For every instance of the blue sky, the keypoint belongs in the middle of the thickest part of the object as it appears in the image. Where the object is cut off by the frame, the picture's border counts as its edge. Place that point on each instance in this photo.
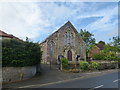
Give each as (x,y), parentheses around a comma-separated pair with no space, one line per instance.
(37,20)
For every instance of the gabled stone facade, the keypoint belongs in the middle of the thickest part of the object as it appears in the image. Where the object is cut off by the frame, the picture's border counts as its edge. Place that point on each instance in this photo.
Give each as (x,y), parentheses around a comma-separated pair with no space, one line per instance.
(64,42)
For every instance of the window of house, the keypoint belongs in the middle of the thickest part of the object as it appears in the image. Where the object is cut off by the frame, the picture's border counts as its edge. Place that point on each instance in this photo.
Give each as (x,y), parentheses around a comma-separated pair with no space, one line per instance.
(81,49)
(69,37)
(65,39)
(51,47)
(71,40)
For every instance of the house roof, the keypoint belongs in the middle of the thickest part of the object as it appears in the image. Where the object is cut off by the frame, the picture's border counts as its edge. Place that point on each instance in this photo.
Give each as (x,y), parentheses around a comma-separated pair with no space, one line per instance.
(3,34)
(100,46)
(62,27)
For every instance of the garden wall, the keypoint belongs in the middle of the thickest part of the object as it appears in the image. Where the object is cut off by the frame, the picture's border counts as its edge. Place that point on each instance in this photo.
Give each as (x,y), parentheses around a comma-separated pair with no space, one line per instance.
(104,64)
(107,64)
(11,74)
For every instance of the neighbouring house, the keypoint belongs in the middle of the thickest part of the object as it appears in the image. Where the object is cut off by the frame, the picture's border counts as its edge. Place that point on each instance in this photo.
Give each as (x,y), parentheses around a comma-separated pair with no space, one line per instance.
(118,54)
(65,42)
(95,49)
(4,35)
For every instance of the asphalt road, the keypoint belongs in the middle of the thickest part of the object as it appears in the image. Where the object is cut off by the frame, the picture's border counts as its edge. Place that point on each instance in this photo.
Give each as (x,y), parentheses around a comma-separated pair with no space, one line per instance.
(104,81)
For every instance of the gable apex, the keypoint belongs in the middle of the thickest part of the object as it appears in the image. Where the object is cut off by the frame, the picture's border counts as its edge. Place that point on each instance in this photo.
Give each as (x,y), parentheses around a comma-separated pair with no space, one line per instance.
(69,24)
(64,26)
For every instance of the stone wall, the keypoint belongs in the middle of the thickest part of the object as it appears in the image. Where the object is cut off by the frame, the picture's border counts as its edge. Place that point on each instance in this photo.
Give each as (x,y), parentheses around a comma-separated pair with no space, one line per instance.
(12,74)
(60,42)
(104,65)
(107,64)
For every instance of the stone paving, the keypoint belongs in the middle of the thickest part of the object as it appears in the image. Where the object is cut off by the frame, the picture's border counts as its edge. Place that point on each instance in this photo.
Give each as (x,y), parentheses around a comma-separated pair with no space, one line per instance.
(54,75)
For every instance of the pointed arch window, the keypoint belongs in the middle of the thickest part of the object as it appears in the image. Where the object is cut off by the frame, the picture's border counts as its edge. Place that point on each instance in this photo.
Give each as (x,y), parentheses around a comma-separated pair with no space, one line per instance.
(81,49)
(51,47)
(69,37)
(65,39)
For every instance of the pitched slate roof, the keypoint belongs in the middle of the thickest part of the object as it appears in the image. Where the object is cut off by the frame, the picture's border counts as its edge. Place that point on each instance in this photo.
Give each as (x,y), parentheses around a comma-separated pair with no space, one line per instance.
(62,28)
(3,34)
(100,46)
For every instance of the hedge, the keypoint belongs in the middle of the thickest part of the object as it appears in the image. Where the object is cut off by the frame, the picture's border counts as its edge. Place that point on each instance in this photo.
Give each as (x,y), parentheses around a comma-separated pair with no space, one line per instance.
(94,65)
(84,65)
(18,53)
(105,56)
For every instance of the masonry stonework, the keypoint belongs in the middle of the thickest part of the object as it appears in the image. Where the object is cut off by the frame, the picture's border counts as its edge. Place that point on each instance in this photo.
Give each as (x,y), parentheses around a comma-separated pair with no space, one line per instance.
(13,74)
(64,42)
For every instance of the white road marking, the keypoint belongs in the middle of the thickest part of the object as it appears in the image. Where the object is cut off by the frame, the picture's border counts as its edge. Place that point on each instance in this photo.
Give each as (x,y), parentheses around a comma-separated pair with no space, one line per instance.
(39,85)
(53,82)
(116,80)
(98,86)
(48,83)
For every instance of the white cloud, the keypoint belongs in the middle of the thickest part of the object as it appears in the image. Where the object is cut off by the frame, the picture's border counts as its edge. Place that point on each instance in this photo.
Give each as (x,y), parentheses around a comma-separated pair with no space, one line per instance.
(104,23)
(32,19)
(106,26)
(22,19)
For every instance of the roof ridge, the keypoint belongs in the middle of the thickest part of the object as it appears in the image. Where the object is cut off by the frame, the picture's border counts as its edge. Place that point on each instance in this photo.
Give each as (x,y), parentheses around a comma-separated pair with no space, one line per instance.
(4,34)
(67,23)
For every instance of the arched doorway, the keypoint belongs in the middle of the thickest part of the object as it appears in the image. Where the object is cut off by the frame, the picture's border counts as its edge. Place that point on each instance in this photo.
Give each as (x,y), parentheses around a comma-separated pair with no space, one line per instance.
(69,55)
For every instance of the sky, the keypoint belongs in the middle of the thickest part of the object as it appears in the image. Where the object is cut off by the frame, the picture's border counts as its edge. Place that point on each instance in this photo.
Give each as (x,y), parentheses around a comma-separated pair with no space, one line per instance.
(37,20)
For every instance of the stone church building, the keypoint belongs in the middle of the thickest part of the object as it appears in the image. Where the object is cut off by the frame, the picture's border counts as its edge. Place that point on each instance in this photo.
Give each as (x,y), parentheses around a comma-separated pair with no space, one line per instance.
(64,42)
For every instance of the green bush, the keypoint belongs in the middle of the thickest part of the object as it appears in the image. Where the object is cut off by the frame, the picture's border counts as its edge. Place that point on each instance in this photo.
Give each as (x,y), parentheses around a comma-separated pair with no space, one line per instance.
(19,53)
(111,56)
(99,56)
(105,56)
(84,65)
(64,62)
(94,65)
(17,63)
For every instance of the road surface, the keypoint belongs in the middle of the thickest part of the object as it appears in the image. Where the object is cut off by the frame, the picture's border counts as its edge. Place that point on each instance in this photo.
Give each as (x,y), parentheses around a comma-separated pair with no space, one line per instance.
(105,81)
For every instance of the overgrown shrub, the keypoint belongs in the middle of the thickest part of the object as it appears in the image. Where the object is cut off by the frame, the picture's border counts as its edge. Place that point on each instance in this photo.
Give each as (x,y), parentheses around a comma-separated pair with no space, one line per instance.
(111,56)
(98,56)
(64,62)
(84,65)
(19,53)
(105,56)
(94,65)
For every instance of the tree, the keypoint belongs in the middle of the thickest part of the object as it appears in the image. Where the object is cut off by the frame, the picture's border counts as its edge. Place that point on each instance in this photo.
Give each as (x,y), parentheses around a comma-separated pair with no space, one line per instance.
(115,41)
(108,48)
(88,38)
(101,42)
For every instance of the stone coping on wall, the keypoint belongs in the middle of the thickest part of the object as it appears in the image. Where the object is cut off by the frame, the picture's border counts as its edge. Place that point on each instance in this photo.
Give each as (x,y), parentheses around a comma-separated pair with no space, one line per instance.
(13,74)
(105,61)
